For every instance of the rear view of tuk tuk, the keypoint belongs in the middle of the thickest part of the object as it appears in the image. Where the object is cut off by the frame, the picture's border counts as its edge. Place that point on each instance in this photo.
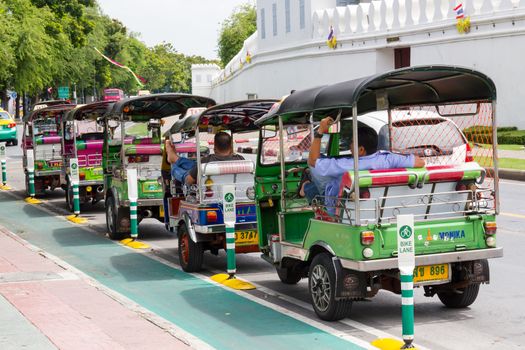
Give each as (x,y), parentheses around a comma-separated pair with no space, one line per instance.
(83,138)
(196,211)
(41,144)
(346,244)
(132,140)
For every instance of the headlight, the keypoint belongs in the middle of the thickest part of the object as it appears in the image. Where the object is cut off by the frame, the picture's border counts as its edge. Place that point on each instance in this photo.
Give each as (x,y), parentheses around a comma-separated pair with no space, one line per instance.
(250,193)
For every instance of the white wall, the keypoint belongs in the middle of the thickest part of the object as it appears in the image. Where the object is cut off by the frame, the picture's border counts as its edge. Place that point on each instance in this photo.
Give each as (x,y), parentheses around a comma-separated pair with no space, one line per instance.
(368,34)
(202,76)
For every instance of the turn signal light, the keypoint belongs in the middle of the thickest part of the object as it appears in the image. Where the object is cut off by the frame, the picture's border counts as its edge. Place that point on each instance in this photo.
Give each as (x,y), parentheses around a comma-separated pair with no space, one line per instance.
(11,125)
(490,227)
(367,237)
(211,216)
(205,121)
(226,120)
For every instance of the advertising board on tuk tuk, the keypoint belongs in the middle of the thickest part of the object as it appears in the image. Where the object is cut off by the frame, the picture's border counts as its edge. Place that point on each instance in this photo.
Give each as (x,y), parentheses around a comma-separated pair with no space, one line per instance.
(132,140)
(344,237)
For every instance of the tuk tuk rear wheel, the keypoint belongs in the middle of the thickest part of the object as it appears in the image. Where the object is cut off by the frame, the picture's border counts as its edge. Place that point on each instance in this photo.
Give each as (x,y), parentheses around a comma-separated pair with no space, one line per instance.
(461,298)
(191,254)
(289,275)
(69,197)
(113,217)
(321,284)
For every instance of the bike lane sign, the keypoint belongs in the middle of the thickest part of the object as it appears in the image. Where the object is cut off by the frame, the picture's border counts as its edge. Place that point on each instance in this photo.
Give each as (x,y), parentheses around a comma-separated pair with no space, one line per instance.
(405,244)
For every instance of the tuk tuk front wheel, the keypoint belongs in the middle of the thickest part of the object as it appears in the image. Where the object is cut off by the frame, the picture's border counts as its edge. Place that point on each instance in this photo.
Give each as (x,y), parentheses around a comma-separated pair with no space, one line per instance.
(460,298)
(191,254)
(114,216)
(321,284)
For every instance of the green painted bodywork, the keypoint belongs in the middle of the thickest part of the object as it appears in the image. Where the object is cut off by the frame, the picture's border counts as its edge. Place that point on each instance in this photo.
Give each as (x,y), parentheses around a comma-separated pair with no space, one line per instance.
(92,173)
(148,189)
(43,165)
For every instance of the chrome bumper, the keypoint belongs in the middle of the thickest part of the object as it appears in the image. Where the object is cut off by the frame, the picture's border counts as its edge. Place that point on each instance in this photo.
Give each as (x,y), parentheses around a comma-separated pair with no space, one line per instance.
(47,172)
(430,259)
(146,202)
(211,229)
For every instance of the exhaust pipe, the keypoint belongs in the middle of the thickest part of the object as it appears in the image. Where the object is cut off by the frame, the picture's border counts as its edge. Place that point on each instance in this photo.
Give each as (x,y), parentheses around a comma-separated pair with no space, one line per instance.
(100,189)
(148,213)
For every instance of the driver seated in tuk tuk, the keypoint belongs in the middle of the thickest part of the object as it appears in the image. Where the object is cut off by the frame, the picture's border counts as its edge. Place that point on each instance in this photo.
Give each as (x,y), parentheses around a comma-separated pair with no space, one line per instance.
(327,172)
(185,170)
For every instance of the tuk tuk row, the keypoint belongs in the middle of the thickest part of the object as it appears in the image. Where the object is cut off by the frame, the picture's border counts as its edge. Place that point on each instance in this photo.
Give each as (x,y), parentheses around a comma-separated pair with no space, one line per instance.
(342,238)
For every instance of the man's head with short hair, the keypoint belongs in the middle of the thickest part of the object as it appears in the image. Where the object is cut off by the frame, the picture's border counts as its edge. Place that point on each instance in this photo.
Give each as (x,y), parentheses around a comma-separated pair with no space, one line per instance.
(367,139)
(223,143)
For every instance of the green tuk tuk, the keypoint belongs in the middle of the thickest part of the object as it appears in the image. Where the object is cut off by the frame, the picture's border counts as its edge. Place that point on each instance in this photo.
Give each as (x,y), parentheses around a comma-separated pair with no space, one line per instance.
(132,140)
(346,243)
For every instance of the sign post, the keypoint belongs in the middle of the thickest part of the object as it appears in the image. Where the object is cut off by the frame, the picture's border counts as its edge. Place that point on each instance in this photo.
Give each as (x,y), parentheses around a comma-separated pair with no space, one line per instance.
(133,197)
(75,180)
(230,217)
(4,167)
(63,92)
(407,263)
(31,173)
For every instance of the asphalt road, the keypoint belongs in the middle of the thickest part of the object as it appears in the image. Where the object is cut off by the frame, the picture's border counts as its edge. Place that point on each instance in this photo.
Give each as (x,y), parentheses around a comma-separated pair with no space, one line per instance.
(494,320)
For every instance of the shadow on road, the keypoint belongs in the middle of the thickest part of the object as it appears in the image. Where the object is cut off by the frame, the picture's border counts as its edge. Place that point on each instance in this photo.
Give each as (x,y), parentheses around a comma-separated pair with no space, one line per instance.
(136,267)
(77,237)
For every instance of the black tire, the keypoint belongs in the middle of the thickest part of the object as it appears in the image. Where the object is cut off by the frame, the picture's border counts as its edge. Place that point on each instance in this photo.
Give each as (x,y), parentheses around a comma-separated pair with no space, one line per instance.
(191,254)
(69,197)
(27,184)
(14,143)
(113,217)
(321,285)
(289,275)
(461,298)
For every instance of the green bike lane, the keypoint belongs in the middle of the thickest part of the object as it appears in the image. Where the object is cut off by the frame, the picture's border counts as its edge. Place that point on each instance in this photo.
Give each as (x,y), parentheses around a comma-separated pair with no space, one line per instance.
(219,317)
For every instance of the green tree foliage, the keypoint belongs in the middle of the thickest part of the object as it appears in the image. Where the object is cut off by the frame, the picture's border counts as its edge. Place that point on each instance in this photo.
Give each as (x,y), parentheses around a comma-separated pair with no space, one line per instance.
(234,30)
(50,43)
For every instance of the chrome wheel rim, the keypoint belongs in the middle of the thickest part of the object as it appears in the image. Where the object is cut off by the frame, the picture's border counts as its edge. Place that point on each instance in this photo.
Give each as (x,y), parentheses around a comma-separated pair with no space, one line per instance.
(320,287)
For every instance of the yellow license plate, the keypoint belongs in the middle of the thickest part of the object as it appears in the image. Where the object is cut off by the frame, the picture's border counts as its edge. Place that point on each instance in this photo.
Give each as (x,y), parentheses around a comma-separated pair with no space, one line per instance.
(431,273)
(246,238)
(161,211)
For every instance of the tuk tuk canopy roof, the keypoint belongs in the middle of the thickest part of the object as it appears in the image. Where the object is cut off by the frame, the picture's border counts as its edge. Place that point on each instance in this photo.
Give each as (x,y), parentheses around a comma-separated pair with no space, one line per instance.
(46,112)
(421,85)
(158,105)
(90,111)
(241,116)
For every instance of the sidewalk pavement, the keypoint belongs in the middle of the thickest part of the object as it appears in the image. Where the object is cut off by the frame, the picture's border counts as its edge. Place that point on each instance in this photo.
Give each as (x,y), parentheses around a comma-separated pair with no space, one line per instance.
(45,306)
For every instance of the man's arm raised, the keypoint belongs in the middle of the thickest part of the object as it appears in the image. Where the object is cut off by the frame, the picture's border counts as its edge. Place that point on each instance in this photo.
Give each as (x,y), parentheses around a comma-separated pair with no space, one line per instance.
(315,148)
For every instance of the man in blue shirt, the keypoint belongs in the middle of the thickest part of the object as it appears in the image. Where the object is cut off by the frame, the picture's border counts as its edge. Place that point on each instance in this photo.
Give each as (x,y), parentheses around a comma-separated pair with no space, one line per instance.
(327,172)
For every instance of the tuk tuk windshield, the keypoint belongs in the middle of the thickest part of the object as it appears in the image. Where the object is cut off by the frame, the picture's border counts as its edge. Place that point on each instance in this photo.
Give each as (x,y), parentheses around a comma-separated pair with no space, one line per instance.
(297,141)
(137,132)
(46,127)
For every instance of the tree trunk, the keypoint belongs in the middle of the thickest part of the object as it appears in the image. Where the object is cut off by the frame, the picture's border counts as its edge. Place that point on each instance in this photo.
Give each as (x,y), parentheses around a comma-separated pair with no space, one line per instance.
(4,99)
(17,107)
